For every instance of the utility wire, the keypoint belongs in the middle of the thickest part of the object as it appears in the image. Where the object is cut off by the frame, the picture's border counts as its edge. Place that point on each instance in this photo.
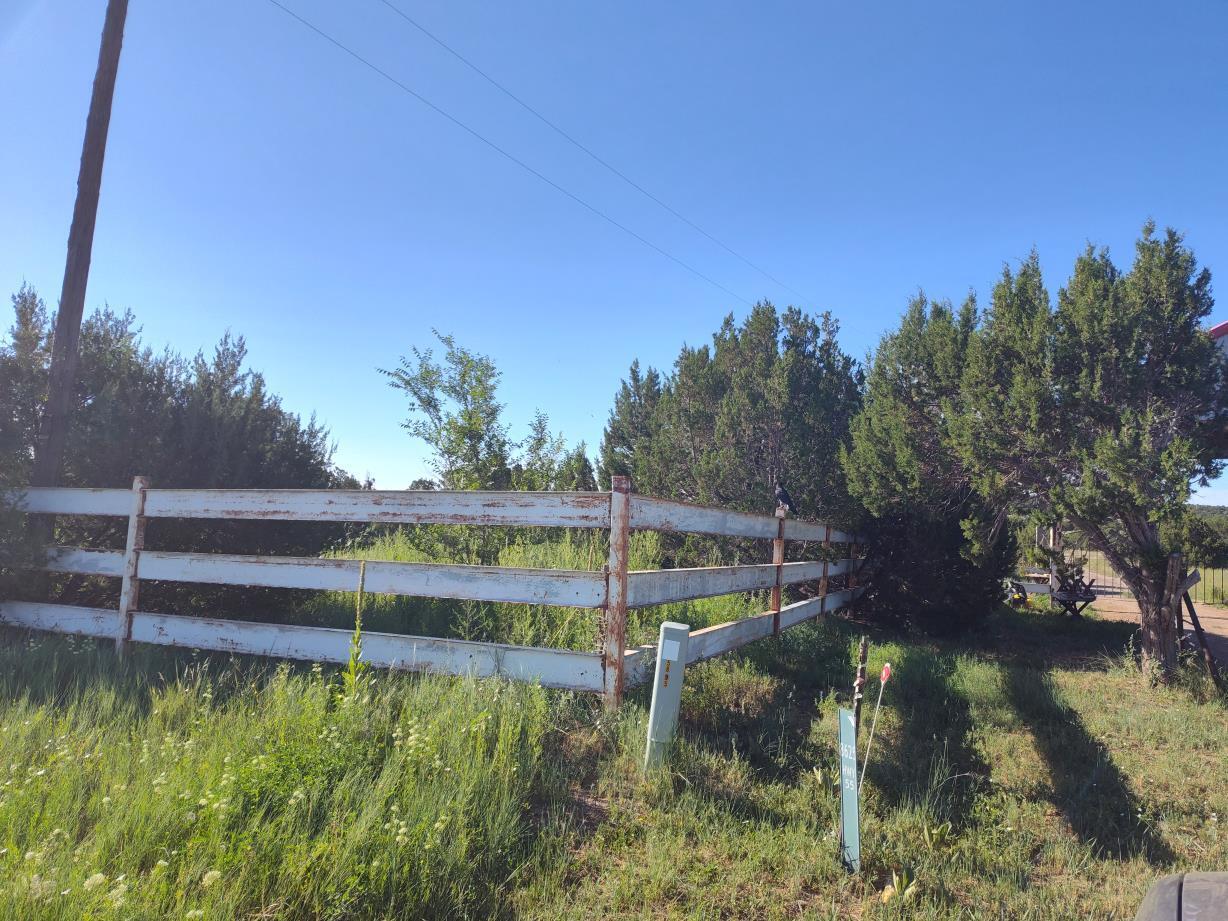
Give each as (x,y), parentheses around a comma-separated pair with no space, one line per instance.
(575,143)
(510,156)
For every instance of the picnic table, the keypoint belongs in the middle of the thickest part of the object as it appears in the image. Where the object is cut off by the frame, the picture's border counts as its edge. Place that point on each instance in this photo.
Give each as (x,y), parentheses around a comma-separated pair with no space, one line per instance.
(1073,594)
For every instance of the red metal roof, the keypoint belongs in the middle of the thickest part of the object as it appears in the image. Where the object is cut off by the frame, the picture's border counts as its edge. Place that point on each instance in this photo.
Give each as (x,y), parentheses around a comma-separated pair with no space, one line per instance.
(1219,330)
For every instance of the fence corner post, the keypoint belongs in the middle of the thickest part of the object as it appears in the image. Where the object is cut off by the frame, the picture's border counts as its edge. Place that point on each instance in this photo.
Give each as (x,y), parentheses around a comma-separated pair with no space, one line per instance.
(778,560)
(616,590)
(130,587)
(666,691)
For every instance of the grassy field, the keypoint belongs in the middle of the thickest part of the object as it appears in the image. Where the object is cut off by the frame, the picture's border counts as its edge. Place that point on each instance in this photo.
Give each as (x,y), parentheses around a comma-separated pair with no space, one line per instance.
(1024,773)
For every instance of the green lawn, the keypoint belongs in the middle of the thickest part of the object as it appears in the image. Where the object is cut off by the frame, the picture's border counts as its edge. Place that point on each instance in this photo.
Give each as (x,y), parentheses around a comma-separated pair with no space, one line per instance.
(186,786)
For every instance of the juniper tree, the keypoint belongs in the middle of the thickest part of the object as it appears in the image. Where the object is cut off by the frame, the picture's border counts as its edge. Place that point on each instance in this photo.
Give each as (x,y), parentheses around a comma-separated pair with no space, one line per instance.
(902,466)
(630,425)
(769,400)
(1102,410)
(204,422)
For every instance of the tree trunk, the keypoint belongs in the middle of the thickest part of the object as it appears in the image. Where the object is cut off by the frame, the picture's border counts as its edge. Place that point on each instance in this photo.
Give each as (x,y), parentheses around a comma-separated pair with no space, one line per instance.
(1157,605)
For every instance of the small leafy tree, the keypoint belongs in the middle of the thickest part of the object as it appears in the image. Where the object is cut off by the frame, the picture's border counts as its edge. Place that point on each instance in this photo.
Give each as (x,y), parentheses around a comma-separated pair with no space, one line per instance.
(1102,411)
(455,410)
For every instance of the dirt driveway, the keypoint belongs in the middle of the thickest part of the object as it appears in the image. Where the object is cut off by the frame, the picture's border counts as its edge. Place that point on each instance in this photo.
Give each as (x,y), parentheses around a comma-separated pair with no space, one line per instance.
(1214,621)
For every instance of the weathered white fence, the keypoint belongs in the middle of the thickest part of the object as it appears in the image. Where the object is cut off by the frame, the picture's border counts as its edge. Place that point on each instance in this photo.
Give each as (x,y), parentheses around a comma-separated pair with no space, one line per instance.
(612,590)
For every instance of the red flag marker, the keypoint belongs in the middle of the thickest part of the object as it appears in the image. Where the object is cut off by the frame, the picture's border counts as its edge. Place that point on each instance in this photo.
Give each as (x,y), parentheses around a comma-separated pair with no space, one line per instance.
(874,722)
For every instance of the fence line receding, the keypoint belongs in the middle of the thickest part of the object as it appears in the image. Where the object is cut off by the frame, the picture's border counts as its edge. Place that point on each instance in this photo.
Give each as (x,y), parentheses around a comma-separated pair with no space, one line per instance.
(612,590)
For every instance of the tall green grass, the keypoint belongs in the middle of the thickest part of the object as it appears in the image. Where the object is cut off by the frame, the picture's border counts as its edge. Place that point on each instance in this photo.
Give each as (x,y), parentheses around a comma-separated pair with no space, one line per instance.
(173,788)
(1022,771)
(518,624)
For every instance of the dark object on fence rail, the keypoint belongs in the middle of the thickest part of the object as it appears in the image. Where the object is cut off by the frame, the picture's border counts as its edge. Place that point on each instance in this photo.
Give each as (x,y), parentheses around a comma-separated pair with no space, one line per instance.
(1186,897)
(1212,665)
(784,500)
(1073,594)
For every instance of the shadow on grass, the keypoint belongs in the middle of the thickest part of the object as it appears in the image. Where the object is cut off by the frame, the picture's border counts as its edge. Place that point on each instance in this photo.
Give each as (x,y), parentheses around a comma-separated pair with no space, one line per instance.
(1088,788)
(933,759)
(1042,639)
(759,706)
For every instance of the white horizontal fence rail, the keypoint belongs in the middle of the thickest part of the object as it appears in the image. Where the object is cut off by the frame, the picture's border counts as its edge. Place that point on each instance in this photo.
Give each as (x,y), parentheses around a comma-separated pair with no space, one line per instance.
(425,506)
(709,642)
(555,668)
(612,591)
(563,588)
(649,514)
(660,586)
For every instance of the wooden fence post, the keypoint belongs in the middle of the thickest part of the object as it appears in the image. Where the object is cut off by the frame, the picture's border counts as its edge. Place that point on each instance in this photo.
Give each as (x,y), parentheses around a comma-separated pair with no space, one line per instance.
(823,580)
(130,587)
(666,691)
(778,560)
(1056,551)
(616,590)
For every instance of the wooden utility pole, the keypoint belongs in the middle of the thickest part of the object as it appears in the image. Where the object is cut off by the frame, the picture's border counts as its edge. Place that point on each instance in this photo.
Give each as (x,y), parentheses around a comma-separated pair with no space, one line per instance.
(53,431)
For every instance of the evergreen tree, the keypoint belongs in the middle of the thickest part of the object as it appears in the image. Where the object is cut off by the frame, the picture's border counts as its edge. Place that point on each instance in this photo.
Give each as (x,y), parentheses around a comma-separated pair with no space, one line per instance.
(631,423)
(901,465)
(769,400)
(541,457)
(1102,411)
(576,472)
(200,423)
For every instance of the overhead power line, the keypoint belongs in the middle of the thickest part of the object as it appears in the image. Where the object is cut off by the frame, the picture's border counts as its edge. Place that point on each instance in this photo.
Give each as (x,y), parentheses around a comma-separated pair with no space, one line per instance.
(502,151)
(553,126)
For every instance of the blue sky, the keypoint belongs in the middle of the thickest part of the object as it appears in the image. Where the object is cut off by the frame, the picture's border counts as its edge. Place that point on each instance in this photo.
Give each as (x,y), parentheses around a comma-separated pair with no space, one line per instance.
(260,180)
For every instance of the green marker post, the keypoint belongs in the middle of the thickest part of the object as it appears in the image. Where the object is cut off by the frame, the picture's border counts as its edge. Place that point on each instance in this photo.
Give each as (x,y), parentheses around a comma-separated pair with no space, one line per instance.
(850,814)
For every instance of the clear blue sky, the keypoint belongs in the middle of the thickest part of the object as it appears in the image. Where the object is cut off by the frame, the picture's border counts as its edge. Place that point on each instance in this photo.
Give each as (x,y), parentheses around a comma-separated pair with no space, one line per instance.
(259,180)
